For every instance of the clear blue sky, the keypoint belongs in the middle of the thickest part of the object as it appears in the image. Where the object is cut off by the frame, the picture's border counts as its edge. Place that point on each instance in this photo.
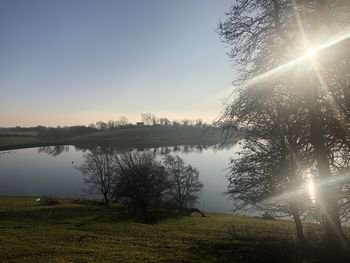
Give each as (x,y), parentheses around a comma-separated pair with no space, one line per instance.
(68,62)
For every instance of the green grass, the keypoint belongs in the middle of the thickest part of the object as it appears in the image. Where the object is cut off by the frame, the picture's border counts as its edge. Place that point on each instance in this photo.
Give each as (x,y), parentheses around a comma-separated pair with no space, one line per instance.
(83,232)
(6,142)
(18,133)
(129,137)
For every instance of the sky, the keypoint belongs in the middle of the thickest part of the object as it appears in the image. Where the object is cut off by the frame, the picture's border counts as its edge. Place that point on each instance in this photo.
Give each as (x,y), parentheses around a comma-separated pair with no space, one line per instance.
(74,62)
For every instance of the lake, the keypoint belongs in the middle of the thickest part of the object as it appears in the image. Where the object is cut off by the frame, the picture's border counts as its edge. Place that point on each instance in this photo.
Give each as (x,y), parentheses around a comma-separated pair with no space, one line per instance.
(52,171)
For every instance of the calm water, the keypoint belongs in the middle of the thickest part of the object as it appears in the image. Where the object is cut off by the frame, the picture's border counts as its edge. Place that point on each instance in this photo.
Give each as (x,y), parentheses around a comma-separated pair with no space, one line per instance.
(51,171)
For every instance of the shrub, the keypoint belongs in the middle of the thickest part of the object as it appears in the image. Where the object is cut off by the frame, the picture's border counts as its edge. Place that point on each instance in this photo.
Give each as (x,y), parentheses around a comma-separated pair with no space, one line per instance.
(142,183)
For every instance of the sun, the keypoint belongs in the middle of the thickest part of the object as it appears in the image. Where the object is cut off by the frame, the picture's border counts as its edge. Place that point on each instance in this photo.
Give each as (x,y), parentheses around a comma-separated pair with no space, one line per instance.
(310,187)
(310,53)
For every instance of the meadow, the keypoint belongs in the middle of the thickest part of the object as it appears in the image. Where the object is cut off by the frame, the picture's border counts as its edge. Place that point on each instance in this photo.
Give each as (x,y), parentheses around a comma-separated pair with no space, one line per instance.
(83,231)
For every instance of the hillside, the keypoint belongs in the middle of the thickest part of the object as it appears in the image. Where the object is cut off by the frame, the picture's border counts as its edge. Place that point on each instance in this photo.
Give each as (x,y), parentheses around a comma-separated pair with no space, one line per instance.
(126,137)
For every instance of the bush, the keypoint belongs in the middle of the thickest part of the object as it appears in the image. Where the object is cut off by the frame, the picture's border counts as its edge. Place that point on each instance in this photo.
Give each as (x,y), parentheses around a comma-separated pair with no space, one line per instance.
(142,184)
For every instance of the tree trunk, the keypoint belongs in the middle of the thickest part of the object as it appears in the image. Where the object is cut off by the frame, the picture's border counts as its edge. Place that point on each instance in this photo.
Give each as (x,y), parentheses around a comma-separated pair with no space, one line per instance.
(327,192)
(294,183)
(328,195)
(105,197)
(298,225)
(328,198)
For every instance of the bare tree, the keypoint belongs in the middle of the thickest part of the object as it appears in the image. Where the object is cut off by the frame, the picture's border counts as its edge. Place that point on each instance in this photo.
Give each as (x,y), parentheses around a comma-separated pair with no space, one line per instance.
(175,123)
(111,124)
(143,182)
(149,119)
(101,125)
(198,123)
(269,173)
(186,122)
(267,34)
(92,125)
(164,121)
(99,170)
(185,182)
(123,121)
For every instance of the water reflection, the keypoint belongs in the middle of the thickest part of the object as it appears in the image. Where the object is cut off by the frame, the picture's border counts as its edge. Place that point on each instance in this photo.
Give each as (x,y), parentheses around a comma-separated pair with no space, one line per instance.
(59,149)
(51,171)
(53,150)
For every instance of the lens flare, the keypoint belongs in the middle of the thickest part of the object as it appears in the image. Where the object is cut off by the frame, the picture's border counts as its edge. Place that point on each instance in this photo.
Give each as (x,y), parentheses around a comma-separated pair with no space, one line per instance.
(310,53)
(294,62)
(310,188)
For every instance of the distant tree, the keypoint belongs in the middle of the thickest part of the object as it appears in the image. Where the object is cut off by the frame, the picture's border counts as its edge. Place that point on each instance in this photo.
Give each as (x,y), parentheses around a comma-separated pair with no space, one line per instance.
(146,118)
(149,119)
(164,121)
(111,124)
(176,123)
(101,125)
(99,170)
(154,119)
(185,183)
(198,123)
(92,126)
(142,182)
(186,122)
(123,121)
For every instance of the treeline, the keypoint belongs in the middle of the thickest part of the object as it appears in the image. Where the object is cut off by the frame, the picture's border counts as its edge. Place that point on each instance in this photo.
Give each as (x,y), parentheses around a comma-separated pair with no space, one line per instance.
(147,188)
(151,119)
(148,119)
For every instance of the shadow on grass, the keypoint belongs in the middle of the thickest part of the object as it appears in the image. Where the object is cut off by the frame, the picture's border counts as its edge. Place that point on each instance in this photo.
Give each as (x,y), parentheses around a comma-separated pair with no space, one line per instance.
(251,252)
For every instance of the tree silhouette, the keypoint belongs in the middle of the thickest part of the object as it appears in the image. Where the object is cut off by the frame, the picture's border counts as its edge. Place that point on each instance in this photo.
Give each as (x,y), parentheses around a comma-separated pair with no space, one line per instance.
(268,175)
(142,182)
(99,170)
(267,34)
(185,183)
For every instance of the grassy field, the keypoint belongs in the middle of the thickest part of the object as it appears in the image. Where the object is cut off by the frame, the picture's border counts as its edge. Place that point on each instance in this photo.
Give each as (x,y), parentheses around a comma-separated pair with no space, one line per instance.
(20,133)
(128,137)
(6,142)
(83,232)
